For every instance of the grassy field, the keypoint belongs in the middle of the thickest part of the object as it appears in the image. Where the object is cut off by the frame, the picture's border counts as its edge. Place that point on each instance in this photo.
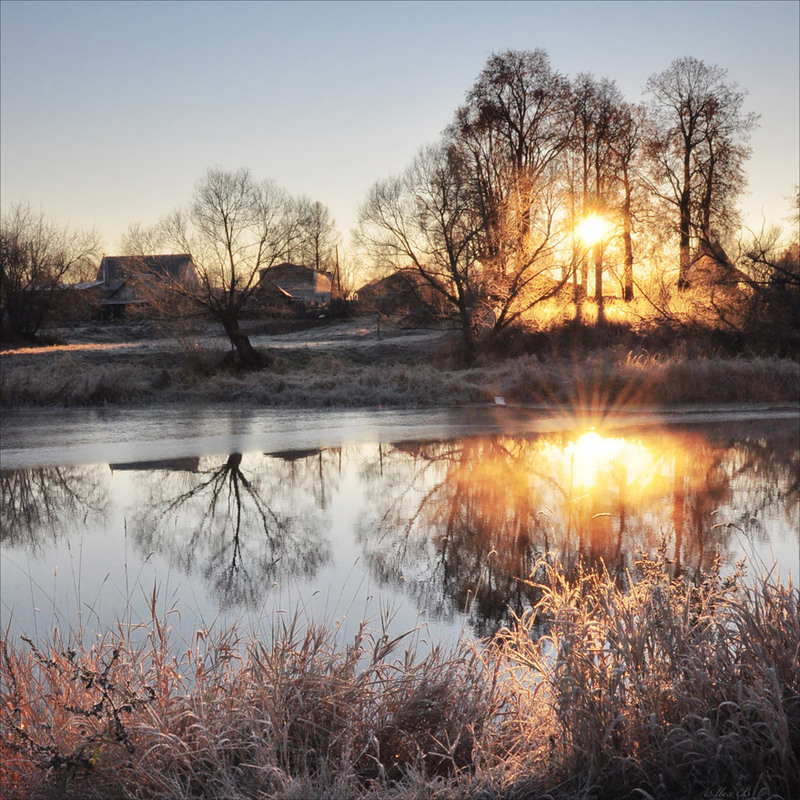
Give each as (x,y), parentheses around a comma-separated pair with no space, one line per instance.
(652,687)
(357,364)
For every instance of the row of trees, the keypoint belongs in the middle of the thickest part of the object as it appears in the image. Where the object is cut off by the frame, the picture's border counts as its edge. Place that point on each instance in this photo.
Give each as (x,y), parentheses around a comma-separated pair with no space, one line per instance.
(540,185)
(235,228)
(37,255)
(539,177)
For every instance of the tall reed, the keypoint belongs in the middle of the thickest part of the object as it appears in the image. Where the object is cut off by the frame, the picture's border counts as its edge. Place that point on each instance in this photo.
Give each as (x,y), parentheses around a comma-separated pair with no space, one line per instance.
(662,687)
(646,686)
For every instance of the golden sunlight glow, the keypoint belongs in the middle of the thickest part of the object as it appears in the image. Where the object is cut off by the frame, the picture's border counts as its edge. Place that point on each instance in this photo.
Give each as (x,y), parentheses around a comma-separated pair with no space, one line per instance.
(595,457)
(592,229)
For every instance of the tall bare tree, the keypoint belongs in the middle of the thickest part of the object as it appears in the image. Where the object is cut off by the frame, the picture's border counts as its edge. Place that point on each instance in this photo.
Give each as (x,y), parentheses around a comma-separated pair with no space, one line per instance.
(626,146)
(318,237)
(476,215)
(36,256)
(596,125)
(511,129)
(426,218)
(235,229)
(698,143)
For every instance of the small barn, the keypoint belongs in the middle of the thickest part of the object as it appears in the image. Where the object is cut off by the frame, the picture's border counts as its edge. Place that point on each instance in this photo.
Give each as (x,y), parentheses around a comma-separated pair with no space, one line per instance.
(711,271)
(142,280)
(715,288)
(294,284)
(404,294)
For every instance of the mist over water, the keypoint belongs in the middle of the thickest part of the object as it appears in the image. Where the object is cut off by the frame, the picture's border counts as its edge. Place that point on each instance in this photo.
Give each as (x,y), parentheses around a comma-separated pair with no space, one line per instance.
(212,517)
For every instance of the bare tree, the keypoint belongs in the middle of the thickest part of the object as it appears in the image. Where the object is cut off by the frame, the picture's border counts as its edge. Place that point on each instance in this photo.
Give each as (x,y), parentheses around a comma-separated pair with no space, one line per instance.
(236,229)
(318,238)
(698,143)
(626,146)
(238,533)
(40,506)
(596,106)
(36,256)
(426,218)
(476,216)
(511,130)
(772,266)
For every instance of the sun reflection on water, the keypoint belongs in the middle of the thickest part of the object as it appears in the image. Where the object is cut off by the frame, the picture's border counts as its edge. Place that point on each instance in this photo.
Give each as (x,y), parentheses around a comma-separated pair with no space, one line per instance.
(454,526)
(595,458)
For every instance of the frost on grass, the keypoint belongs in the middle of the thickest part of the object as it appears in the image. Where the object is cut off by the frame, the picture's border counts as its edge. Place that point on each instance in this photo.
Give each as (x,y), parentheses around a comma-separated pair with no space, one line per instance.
(647,684)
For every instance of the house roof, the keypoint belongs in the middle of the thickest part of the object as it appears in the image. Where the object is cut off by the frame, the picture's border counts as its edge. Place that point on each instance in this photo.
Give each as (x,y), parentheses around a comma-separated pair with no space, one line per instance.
(295,281)
(120,268)
(712,267)
(403,280)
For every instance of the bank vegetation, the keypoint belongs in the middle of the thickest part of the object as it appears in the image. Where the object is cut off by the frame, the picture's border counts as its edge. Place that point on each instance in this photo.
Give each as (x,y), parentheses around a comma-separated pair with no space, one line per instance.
(366,363)
(648,686)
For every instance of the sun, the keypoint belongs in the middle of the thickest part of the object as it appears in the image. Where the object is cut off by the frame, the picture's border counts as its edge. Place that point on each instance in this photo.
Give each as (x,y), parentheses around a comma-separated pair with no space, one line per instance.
(592,229)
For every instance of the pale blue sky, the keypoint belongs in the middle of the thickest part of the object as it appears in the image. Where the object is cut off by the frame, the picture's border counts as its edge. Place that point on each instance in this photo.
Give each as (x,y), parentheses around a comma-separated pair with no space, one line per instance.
(111,111)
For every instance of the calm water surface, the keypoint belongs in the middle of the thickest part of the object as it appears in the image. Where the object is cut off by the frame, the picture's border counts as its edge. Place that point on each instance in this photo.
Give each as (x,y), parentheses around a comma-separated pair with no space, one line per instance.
(434,517)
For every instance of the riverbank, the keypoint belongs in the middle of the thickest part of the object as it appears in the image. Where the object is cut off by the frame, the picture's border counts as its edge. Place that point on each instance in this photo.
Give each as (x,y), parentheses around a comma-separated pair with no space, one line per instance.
(353,365)
(582,697)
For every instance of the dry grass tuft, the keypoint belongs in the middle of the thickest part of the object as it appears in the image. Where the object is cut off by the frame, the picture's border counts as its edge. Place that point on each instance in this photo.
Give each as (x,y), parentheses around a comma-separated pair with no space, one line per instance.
(667,688)
(655,688)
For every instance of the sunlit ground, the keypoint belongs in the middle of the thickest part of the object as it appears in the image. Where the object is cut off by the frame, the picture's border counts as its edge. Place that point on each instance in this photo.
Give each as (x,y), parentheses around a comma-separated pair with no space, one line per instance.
(71,348)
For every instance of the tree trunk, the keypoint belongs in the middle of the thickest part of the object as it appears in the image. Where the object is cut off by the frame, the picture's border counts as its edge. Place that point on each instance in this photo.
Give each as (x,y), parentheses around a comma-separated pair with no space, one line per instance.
(705,204)
(626,239)
(598,283)
(684,205)
(468,334)
(248,356)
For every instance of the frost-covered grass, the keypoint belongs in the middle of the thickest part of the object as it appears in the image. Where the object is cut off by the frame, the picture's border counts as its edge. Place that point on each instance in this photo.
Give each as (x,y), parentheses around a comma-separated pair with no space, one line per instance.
(649,686)
(81,379)
(397,370)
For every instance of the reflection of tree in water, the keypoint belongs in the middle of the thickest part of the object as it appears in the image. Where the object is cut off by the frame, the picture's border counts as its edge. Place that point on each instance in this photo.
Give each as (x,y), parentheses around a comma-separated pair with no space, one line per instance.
(243,527)
(455,524)
(761,465)
(39,506)
(458,523)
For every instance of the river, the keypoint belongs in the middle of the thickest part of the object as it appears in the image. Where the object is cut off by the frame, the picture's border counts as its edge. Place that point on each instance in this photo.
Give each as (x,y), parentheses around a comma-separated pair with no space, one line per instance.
(217,516)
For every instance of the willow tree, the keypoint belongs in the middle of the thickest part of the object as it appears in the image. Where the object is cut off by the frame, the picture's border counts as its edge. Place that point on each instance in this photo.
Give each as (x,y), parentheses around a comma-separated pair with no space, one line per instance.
(698,144)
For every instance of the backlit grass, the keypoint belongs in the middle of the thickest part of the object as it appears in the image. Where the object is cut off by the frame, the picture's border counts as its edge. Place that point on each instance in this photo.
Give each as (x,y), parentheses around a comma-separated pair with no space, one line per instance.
(649,687)
(83,379)
(356,367)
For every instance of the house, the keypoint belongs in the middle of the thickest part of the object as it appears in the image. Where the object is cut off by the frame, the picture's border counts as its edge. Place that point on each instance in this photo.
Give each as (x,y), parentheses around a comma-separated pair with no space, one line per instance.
(405,294)
(715,289)
(293,284)
(711,271)
(141,280)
